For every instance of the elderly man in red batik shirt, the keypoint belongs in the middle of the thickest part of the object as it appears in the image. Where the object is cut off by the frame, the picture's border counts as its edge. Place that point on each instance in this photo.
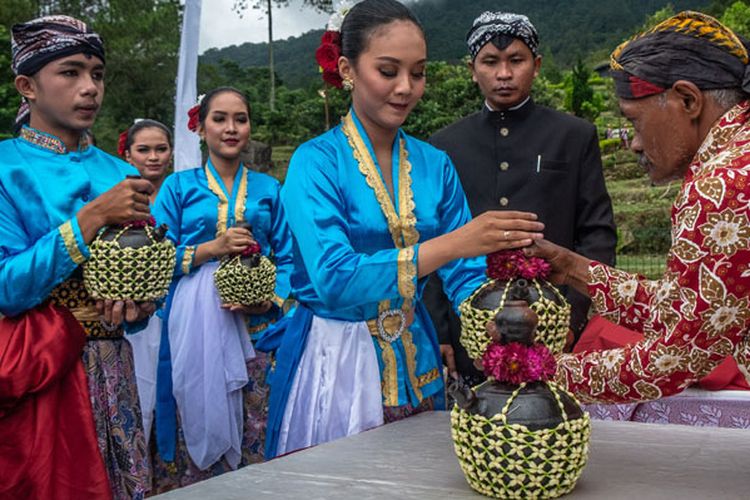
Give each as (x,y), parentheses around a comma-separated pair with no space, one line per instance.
(684,86)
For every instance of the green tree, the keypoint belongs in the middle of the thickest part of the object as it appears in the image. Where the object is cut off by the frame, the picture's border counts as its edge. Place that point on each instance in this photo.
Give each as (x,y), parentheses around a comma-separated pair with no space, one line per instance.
(549,94)
(581,98)
(14,11)
(737,17)
(717,7)
(142,40)
(11,12)
(240,6)
(660,15)
(450,95)
(579,90)
(551,71)
(9,98)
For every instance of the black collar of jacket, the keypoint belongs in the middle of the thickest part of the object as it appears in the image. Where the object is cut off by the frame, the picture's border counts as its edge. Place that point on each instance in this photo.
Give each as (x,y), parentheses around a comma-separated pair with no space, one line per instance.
(508,115)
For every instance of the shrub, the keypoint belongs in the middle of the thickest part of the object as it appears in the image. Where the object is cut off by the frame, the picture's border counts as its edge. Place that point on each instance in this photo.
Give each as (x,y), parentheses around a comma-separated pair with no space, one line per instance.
(609,146)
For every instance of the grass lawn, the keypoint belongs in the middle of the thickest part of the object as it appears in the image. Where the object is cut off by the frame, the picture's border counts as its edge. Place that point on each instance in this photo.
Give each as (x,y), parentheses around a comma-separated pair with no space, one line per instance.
(651,266)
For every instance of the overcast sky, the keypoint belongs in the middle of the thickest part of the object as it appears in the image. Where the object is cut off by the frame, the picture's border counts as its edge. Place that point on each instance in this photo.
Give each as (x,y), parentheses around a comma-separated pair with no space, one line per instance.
(221,27)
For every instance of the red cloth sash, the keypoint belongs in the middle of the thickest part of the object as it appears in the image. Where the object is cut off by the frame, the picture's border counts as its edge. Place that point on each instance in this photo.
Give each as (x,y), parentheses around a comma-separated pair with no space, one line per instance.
(48,446)
(601,334)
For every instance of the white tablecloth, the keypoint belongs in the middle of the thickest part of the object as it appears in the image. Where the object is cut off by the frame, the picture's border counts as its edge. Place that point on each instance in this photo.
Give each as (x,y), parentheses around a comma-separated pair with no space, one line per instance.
(414,458)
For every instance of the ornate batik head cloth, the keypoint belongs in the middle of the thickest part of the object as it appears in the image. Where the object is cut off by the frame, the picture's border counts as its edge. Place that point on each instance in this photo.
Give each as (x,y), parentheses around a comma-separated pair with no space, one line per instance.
(42,40)
(689,46)
(491,24)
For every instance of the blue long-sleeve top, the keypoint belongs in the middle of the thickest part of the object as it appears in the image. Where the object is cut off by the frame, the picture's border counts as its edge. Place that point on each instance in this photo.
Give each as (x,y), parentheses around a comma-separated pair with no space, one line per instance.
(42,188)
(346,261)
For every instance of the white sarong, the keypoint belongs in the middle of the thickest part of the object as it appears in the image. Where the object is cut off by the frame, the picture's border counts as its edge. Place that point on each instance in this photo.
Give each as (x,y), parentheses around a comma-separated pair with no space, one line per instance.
(210,348)
(336,390)
(145,346)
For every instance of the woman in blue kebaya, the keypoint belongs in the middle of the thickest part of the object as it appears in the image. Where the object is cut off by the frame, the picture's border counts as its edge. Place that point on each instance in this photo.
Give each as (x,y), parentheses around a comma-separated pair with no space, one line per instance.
(372,211)
(209,348)
(147,145)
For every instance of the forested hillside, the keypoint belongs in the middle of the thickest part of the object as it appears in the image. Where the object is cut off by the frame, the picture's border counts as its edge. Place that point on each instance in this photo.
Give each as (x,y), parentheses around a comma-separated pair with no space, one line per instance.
(568,29)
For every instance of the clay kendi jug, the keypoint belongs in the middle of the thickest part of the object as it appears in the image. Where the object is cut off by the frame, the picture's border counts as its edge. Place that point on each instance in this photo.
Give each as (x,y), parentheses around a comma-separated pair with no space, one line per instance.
(518,435)
(504,269)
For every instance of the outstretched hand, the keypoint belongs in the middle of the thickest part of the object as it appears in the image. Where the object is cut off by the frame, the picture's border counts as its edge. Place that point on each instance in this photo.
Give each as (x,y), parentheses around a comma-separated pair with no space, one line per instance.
(490,232)
(568,268)
(499,230)
(555,255)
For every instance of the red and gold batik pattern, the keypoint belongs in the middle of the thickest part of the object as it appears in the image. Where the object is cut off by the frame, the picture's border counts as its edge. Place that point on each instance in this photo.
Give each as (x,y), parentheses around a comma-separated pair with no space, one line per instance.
(698,313)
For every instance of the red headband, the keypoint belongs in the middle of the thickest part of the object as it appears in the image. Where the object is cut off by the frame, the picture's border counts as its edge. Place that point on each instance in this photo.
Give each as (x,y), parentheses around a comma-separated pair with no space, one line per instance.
(641,88)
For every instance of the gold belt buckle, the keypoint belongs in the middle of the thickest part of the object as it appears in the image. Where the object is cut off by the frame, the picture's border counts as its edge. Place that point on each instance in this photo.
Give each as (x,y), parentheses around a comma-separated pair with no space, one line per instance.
(386,321)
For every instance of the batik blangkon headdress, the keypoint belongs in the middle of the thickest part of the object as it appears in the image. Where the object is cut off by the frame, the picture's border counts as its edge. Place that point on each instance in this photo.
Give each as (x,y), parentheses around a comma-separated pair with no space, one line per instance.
(689,46)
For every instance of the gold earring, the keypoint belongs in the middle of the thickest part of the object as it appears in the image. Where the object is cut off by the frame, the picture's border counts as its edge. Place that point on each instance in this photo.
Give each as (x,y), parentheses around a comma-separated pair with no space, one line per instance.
(348,84)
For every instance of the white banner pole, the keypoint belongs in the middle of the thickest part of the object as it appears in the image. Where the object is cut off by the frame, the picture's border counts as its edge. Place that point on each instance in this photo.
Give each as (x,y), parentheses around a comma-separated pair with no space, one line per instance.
(187,153)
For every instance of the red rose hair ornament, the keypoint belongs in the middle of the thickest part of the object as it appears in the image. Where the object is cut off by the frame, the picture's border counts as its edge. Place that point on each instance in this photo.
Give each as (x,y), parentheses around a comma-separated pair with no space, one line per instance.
(122,143)
(329,51)
(193,115)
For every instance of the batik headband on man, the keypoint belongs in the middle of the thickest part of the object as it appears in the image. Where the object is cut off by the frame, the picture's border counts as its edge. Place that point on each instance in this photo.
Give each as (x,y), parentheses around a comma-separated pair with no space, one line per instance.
(43,40)
(492,24)
(689,46)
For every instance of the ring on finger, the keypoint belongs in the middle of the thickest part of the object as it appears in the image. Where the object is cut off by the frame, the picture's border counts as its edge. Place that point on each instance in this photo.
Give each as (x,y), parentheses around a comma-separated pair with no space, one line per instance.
(506,235)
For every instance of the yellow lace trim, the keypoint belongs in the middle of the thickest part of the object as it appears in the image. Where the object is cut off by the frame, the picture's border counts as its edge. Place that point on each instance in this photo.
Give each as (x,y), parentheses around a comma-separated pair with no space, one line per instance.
(407,272)
(402,225)
(408,221)
(389,385)
(241,198)
(69,238)
(428,377)
(223,208)
(410,351)
(187,259)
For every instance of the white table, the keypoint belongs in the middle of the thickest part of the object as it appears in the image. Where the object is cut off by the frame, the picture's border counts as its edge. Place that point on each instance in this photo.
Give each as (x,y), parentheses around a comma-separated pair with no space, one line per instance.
(414,458)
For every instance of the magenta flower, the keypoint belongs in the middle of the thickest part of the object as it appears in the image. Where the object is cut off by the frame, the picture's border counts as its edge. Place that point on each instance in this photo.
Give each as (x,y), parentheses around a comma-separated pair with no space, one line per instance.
(534,268)
(516,363)
(541,363)
(506,265)
(506,363)
(503,265)
(251,249)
